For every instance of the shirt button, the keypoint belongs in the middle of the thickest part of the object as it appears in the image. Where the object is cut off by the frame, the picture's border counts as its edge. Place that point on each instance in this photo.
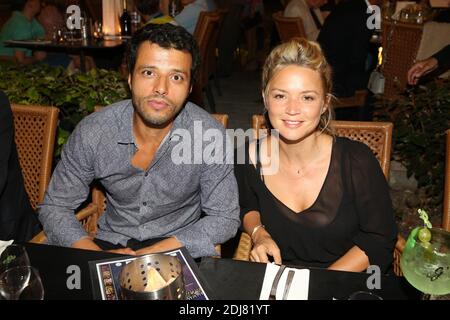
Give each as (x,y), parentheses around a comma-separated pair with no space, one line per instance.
(144,204)
(146,174)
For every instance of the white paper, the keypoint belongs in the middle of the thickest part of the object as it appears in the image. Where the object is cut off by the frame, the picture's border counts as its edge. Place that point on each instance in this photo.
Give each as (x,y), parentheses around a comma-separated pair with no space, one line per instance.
(299,286)
(4,244)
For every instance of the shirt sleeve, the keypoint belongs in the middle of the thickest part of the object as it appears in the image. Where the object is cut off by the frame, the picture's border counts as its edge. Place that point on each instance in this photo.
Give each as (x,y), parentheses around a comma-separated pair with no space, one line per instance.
(377,228)
(443,56)
(188,17)
(68,188)
(220,208)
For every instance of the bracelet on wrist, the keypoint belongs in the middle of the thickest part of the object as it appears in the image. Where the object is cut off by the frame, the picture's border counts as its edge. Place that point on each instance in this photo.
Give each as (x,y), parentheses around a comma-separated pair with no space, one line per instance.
(256,229)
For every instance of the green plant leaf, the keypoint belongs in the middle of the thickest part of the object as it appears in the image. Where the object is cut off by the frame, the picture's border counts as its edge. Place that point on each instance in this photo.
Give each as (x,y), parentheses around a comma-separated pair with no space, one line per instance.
(75,95)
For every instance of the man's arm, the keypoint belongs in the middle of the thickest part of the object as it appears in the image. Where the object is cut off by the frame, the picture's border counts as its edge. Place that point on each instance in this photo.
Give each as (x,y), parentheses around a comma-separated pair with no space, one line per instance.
(168,244)
(88,243)
(443,56)
(68,188)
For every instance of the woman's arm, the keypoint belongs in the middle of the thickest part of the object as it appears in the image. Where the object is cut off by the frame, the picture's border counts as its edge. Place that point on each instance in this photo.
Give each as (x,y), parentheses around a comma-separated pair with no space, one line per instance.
(354,260)
(377,230)
(263,244)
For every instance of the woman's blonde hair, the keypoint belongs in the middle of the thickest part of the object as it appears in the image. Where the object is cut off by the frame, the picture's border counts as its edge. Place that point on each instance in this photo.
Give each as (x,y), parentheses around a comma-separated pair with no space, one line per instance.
(303,53)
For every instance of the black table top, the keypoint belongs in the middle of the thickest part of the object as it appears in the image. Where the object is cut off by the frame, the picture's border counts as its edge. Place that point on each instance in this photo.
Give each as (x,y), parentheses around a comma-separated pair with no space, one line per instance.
(231,279)
(54,265)
(225,278)
(88,44)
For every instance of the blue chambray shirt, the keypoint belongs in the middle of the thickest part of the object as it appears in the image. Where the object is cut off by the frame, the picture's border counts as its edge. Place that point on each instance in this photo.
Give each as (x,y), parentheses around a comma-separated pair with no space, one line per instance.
(167,199)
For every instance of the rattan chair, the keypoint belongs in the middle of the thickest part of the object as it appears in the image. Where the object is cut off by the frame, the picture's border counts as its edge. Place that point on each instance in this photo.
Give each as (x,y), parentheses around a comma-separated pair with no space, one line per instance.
(357,100)
(400,45)
(288,28)
(376,135)
(34,134)
(206,34)
(89,216)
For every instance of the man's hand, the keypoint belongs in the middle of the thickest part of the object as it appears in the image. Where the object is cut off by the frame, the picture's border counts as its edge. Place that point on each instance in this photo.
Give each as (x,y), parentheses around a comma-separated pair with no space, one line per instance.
(88,243)
(163,245)
(127,251)
(421,68)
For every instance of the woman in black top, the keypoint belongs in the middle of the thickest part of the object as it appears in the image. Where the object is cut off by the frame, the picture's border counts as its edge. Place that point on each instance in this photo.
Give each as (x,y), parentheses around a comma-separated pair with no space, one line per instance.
(316,199)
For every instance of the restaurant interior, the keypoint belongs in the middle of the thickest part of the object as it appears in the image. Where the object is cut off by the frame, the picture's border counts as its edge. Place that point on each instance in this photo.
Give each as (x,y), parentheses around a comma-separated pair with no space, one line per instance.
(405,121)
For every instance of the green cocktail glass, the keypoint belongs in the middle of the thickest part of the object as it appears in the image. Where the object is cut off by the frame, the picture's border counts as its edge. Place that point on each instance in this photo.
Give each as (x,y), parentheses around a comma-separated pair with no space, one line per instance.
(426,265)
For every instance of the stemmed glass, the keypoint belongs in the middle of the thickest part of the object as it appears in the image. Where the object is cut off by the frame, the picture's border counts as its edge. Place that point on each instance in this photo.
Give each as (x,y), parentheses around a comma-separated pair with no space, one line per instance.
(426,264)
(21,282)
(14,255)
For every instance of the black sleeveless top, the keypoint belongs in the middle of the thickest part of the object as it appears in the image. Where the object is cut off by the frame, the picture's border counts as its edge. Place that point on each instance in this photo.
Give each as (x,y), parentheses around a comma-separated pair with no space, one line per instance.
(353,208)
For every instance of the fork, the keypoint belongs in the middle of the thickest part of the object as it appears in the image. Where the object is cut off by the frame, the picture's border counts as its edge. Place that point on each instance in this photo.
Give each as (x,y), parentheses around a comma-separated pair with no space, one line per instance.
(287,286)
(275,282)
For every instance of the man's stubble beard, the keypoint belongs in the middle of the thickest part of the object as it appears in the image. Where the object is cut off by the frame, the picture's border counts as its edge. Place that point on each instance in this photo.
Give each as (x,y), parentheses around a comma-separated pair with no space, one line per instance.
(151,120)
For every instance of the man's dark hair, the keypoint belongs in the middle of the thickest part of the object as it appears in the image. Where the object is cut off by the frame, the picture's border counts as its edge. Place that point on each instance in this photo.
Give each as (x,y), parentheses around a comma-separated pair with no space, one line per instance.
(147,7)
(18,5)
(167,36)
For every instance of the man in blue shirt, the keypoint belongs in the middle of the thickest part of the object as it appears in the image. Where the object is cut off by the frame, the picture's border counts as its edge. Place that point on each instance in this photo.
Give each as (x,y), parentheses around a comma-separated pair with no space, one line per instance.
(152,11)
(22,26)
(188,17)
(159,196)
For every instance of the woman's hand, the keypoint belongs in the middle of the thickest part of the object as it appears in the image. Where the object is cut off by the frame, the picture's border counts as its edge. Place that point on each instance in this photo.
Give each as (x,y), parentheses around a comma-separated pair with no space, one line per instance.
(263,247)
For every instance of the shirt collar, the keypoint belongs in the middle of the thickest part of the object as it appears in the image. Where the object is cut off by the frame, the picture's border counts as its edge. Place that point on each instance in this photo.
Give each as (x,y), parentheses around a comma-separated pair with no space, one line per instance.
(125,134)
(368,3)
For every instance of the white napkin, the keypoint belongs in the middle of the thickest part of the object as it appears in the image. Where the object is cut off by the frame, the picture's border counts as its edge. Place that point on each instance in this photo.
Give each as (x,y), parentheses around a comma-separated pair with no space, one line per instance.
(4,244)
(299,286)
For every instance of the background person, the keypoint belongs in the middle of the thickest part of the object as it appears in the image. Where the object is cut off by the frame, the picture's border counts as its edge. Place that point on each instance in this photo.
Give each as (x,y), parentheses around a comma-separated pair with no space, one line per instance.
(151,11)
(310,13)
(22,26)
(188,17)
(440,59)
(52,20)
